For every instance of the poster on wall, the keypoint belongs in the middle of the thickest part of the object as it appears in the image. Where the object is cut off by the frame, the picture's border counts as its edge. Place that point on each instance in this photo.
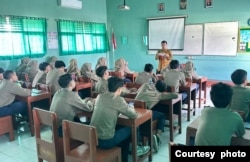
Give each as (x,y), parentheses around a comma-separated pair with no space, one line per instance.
(52,40)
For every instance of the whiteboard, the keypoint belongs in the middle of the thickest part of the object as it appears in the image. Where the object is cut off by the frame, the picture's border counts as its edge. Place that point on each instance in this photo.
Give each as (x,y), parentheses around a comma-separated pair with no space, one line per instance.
(221,38)
(169,29)
(193,40)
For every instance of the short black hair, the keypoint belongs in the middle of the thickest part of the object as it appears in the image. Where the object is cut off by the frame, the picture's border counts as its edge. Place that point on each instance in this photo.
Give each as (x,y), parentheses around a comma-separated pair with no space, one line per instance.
(161,86)
(148,68)
(7,74)
(164,42)
(43,65)
(239,76)
(64,80)
(59,64)
(174,64)
(221,94)
(1,70)
(101,70)
(114,83)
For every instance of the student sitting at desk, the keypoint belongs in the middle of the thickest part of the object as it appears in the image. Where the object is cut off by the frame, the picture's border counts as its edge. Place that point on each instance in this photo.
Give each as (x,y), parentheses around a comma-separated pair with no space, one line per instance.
(73,68)
(146,76)
(108,106)
(189,70)
(53,76)
(9,89)
(241,95)
(122,66)
(32,69)
(152,95)
(67,103)
(20,69)
(101,62)
(102,85)
(218,124)
(40,77)
(87,72)
(1,74)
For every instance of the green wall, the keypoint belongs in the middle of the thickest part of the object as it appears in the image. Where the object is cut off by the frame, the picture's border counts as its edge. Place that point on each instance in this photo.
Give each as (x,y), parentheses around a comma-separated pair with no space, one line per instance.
(92,11)
(133,24)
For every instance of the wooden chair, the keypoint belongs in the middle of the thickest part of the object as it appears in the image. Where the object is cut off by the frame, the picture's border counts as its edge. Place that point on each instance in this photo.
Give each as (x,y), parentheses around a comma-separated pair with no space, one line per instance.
(6,126)
(46,150)
(115,73)
(84,79)
(87,152)
(132,85)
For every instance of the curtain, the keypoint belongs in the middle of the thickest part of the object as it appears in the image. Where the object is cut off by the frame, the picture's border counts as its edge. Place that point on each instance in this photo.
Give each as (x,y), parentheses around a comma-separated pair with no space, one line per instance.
(82,37)
(22,37)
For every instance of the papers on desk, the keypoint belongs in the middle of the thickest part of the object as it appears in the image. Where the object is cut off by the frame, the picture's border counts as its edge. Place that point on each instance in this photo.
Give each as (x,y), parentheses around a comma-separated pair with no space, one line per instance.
(247,125)
(36,91)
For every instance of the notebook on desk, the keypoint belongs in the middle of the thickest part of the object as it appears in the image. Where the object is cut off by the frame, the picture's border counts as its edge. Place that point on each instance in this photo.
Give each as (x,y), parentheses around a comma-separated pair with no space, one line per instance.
(247,125)
(36,91)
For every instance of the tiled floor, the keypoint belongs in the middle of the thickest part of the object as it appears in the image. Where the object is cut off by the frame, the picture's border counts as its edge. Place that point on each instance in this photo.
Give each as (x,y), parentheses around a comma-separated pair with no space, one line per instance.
(23,149)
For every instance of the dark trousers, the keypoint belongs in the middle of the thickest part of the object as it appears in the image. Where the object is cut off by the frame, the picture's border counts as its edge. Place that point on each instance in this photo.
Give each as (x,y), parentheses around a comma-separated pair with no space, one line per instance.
(161,120)
(121,138)
(14,108)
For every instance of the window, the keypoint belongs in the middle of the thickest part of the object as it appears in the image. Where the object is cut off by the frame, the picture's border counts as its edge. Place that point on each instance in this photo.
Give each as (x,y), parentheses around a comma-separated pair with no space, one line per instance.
(82,37)
(22,37)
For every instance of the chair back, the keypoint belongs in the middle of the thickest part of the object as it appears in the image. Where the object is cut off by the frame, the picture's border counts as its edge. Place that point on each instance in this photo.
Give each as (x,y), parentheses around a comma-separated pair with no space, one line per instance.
(115,73)
(84,79)
(80,132)
(51,151)
(137,103)
(132,85)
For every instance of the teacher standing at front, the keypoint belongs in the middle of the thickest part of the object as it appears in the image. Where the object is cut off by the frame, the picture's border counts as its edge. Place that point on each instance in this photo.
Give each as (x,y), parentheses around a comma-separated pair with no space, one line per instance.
(164,56)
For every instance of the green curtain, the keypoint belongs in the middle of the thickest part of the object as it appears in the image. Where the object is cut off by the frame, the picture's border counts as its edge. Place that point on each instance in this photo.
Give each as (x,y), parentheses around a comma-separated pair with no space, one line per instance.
(22,37)
(82,37)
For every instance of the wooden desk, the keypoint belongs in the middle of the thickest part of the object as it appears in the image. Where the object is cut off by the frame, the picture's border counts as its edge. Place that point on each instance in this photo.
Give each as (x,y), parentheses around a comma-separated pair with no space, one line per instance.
(131,76)
(170,104)
(144,116)
(84,85)
(192,129)
(190,89)
(203,87)
(29,100)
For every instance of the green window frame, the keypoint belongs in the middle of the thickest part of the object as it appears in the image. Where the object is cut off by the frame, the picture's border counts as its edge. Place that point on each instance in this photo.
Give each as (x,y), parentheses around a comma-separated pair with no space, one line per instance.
(77,38)
(22,37)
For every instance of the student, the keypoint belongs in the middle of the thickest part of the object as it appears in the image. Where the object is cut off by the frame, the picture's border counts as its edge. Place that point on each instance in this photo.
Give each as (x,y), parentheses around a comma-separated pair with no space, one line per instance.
(101,62)
(108,106)
(67,103)
(241,94)
(189,71)
(102,85)
(164,56)
(32,69)
(73,68)
(52,61)
(1,74)
(21,68)
(87,72)
(40,77)
(218,124)
(146,76)
(122,66)
(152,95)
(9,89)
(174,77)
(53,76)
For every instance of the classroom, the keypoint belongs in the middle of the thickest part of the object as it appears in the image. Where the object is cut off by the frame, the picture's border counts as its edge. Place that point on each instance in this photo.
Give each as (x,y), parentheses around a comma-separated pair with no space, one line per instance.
(81,32)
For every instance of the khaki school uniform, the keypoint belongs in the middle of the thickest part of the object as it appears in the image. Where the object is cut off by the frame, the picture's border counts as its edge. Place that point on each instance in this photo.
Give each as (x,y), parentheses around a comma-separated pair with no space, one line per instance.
(67,103)
(52,80)
(241,99)
(189,71)
(9,90)
(32,69)
(101,86)
(106,111)
(144,77)
(151,96)
(216,127)
(163,61)
(174,78)
(39,78)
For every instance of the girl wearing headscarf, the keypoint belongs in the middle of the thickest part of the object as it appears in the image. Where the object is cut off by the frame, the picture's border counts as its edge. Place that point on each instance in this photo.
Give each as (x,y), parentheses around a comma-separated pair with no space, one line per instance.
(101,62)
(122,66)
(32,69)
(73,68)
(53,59)
(87,72)
(189,71)
(21,68)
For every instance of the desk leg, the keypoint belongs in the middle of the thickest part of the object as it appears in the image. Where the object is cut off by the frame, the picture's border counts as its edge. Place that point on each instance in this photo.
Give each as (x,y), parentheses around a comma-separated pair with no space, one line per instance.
(179,115)
(134,143)
(171,122)
(31,121)
(194,102)
(189,105)
(200,90)
(150,135)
